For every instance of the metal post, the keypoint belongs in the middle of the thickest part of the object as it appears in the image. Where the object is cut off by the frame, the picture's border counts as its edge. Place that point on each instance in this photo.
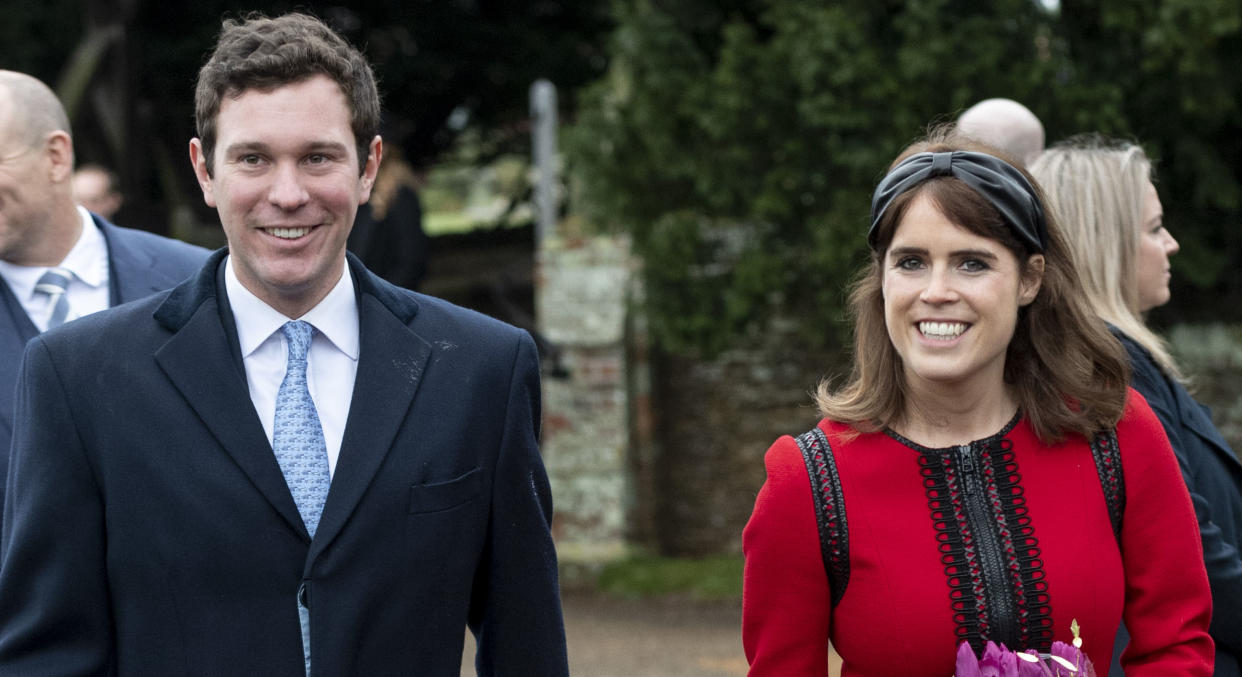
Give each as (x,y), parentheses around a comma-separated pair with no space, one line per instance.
(543,112)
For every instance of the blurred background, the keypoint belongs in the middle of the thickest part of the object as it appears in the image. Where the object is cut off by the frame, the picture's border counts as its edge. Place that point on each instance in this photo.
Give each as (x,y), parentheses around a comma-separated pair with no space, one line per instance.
(705,178)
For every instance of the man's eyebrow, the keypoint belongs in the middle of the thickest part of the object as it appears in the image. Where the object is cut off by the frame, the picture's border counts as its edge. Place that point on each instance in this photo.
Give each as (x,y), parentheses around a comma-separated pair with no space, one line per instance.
(312,147)
(326,145)
(245,147)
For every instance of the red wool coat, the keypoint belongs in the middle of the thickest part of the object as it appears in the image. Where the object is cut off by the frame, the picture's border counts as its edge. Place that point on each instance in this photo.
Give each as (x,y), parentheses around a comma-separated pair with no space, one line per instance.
(1037,552)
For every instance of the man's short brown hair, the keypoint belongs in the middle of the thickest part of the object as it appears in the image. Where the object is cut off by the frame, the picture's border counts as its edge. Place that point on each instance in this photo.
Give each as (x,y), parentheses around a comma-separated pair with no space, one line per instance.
(264,54)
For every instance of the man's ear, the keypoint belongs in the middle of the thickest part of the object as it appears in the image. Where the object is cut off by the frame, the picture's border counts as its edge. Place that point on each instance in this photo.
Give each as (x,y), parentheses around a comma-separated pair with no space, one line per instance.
(59,148)
(1032,279)
(375,153)
(198,160)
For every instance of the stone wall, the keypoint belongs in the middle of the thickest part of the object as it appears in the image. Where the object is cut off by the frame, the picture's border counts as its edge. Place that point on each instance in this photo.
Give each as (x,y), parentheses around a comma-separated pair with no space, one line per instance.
(715,419)
(581,292)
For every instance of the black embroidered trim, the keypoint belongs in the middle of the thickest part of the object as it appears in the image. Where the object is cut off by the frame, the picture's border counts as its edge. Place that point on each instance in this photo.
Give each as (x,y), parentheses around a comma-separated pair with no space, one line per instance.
(991,557)
(1107,454)
(834,537)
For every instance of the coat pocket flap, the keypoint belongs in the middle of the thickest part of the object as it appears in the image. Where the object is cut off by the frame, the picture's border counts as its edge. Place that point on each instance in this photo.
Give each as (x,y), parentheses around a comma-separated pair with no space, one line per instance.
(444,495)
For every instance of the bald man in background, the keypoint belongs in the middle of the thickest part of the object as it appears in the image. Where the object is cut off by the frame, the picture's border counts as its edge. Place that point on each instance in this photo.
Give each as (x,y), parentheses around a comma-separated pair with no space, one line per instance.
(57,260)
(1006,125)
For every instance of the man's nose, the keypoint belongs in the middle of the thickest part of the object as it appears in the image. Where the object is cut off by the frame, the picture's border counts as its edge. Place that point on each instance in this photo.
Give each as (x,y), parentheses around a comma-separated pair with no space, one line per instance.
(287,190)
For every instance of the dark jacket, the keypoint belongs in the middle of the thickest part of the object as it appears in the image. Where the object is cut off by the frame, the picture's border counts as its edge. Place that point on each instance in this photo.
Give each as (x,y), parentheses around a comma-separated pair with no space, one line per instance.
(139,264)
(149,530)
(1214,477)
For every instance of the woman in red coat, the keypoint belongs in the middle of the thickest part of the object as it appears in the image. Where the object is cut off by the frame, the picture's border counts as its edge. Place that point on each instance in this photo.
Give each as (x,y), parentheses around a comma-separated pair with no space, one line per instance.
(985,474)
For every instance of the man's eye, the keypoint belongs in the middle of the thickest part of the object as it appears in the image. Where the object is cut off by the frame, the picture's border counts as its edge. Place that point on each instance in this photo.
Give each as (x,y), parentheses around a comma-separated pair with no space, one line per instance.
(250,159)
(317,159)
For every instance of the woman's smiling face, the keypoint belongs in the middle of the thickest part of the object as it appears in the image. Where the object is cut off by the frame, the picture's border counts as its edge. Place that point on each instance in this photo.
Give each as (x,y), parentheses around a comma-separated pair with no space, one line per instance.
(951,299)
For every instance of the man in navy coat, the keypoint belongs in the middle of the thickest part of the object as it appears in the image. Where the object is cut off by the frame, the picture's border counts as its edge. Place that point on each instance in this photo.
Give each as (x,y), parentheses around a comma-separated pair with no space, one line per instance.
(42,230)
(284,466)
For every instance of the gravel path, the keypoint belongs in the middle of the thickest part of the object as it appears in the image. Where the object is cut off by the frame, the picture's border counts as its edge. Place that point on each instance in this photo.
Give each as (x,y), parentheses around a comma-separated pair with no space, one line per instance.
(648,638)
(611,637)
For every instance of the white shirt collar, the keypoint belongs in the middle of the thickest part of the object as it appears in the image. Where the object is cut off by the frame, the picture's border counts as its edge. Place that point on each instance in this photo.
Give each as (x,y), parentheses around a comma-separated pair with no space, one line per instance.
(87,261)
(336,316)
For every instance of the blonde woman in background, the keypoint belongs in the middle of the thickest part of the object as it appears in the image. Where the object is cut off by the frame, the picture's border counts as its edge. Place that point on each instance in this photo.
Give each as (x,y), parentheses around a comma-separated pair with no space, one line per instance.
(1108,206)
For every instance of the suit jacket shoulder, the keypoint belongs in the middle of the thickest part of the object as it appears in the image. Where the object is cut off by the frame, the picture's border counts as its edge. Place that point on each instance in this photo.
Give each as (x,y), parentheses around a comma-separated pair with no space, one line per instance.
(139,264)
(142,263)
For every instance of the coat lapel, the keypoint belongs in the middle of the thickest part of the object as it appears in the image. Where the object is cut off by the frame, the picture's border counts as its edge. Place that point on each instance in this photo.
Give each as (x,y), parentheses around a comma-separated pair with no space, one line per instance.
(15,330)
(128,266)
(1198,419)
(391,361)
(200,362)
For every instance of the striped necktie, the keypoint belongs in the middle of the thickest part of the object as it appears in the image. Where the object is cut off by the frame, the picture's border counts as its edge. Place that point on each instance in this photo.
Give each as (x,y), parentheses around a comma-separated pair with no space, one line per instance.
(54,283)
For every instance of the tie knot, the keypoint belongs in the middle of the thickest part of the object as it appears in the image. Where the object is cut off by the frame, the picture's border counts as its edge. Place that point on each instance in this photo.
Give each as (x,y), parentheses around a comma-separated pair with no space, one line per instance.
(298,334)
(54,281)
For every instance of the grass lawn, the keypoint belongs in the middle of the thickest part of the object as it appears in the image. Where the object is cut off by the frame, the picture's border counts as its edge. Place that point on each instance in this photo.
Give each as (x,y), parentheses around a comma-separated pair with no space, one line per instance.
(718,577)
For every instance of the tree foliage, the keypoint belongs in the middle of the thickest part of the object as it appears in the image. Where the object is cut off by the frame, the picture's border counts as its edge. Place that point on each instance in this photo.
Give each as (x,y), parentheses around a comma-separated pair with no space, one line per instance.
(739,142)
(443,68)
(1169,72)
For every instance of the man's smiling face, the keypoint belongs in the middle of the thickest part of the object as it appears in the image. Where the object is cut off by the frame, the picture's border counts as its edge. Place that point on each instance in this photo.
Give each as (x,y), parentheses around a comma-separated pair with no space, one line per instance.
(287,186)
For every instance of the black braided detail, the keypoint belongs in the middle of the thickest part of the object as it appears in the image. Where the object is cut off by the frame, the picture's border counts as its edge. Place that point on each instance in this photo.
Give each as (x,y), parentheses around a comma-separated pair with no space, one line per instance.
(1026,567)
(1107,454)
(834,537)
(997,586)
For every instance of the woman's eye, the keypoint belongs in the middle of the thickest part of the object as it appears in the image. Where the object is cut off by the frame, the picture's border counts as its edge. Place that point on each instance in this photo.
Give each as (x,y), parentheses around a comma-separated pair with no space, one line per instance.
(974,265)
(909,263)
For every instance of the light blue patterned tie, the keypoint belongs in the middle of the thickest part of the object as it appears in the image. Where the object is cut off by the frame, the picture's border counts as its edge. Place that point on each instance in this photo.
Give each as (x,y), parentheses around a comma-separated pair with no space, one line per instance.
(297,437)
(54,283)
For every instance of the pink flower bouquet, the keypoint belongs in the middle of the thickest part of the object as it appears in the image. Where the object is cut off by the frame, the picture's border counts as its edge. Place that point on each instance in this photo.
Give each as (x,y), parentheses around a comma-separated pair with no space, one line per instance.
(1065,660)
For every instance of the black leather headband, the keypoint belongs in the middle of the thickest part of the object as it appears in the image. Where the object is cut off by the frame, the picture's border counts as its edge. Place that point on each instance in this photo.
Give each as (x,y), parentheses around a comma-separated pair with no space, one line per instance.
(1003,186)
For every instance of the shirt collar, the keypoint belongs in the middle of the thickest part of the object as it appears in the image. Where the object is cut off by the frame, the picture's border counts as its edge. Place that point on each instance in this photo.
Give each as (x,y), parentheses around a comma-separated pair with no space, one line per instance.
(336,316)
(88,260)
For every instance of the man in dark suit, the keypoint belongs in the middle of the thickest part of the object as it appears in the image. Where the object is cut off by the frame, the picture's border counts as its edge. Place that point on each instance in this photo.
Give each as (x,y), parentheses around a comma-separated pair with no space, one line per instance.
(285,466)
(42,232)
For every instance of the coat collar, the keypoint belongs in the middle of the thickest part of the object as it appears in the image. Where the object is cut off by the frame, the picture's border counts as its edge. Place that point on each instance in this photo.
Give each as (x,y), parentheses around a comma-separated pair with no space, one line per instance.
(186,298)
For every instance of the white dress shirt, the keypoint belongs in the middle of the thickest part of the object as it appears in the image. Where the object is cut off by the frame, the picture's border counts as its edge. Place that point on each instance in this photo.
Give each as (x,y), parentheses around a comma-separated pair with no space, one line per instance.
(332,361)
(87,264)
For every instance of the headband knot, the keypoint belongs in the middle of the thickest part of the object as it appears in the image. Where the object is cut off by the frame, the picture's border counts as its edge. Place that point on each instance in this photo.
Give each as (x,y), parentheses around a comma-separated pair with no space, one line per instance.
(997,181)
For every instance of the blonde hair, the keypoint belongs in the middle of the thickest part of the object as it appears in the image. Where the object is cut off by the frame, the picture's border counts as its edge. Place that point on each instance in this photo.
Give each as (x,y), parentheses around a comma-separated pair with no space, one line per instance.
(1068,372)
(1097,187)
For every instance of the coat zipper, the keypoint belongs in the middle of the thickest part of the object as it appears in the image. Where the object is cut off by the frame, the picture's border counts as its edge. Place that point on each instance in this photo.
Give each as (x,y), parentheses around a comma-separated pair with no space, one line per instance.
(998,587)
